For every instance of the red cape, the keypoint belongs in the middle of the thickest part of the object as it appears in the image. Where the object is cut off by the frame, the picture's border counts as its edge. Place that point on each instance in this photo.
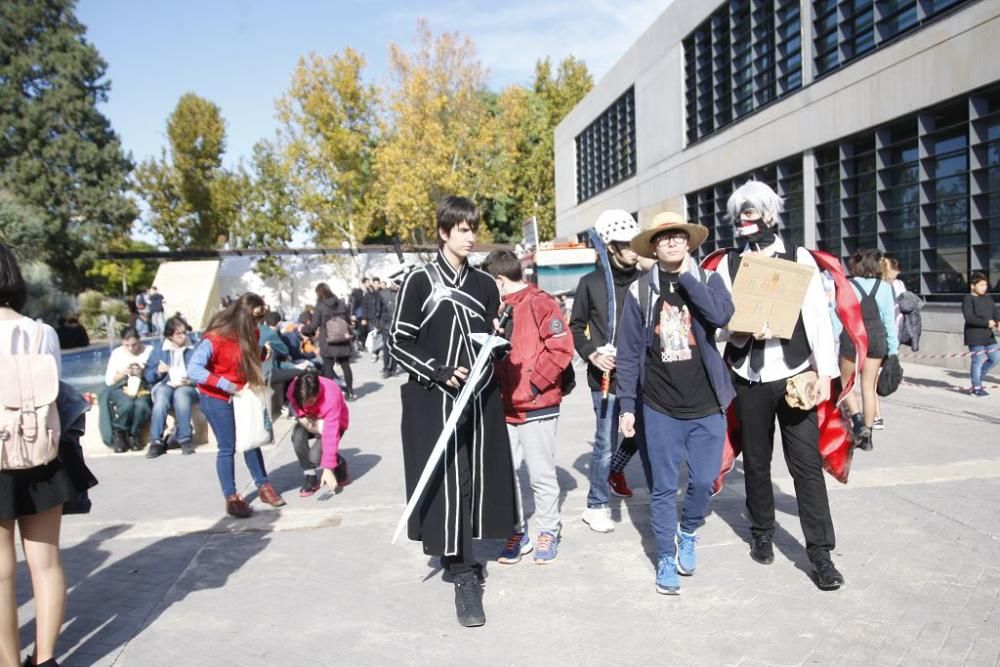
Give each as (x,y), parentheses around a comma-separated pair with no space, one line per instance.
(835,436)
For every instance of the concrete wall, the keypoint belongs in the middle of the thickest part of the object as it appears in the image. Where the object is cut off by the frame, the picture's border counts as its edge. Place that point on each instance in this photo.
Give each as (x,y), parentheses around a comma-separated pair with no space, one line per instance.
(948,57)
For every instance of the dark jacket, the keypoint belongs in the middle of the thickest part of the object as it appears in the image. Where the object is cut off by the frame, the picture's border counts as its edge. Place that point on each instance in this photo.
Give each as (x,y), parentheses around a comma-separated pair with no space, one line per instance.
(326,309)
(590,313)
(910,323)
(711,308)
(357,304)
(387,306)
(978,311)
(371,304)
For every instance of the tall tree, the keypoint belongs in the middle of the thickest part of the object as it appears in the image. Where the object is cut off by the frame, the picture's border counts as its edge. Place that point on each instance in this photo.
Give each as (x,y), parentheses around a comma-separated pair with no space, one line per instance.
(445,137)
(328,137)
(58,153)
(266,214)
(188,192)
(552,97)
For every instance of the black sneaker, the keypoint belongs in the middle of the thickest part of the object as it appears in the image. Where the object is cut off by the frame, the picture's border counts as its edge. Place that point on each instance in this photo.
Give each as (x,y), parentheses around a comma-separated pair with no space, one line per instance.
(156,448)
(309,486)
(187,448)
(762,550)
(120,442)
(828,578)
(469,601)
(134,444)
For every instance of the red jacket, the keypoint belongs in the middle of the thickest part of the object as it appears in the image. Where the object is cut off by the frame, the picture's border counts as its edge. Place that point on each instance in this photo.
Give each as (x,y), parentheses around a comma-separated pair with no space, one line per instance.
(215,366)
(541,347)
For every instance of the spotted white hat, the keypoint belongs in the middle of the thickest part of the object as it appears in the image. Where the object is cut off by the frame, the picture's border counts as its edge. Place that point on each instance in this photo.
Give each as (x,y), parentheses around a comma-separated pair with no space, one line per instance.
(616,225)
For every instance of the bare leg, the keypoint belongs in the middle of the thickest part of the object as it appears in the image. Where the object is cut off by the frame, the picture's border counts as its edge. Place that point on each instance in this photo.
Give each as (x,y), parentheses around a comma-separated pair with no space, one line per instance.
(847,367)
(869,398)
(10,639)
(40,539)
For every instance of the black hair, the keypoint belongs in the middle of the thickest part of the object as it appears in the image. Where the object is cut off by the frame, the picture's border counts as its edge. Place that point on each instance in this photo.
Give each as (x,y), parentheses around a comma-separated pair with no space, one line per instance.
(13,291)
(272,318)
(323,291)
(173,324)
(503,263)
(130,332)
(456,210)
(306,388)
(865,263)
(974,277)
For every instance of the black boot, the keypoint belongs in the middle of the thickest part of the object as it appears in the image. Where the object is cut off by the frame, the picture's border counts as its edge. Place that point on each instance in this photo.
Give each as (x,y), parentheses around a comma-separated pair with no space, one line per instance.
(762,550)
(156,448)
(828,578)
(119,441)
(134,444)
(864,440)
(469,600)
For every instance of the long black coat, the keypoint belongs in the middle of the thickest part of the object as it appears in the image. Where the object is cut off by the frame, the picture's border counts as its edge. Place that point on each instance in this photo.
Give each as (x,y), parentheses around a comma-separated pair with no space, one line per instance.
(326,309)
(427,337)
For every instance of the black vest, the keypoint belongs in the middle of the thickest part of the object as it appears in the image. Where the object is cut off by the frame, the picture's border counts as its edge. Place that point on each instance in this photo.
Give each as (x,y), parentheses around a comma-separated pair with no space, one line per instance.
(796,350)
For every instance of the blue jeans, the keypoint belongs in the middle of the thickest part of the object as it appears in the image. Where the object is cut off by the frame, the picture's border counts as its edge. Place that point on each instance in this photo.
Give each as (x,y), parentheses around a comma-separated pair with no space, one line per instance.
(983,361)
(219,414)
(181,399)
(605,434)
(668,440)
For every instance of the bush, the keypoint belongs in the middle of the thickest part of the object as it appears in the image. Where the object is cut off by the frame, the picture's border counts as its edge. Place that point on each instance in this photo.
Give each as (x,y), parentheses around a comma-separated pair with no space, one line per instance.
(95,308)
(44,300)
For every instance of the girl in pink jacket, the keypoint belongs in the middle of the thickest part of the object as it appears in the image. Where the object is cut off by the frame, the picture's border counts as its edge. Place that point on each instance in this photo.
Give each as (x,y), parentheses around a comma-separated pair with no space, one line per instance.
(321,417)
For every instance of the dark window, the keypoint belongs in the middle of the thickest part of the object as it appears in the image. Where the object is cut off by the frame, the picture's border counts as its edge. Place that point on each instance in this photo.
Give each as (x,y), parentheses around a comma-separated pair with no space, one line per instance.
(605,151)
(828,199)
(742,57)
(844,30)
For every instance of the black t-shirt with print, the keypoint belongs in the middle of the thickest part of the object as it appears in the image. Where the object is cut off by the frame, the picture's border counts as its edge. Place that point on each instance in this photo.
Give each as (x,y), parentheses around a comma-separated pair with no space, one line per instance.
(676,383)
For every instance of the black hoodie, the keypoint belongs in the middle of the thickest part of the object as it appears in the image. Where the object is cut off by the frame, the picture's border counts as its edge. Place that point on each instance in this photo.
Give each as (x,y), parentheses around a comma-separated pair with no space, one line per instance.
(590,309)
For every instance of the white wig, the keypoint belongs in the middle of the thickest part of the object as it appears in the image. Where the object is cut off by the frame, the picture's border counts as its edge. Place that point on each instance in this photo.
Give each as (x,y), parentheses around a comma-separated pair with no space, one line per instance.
(758,196)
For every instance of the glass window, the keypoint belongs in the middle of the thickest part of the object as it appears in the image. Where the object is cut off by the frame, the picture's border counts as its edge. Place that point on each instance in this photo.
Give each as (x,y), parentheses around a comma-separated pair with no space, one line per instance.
(605,151)
(946,165)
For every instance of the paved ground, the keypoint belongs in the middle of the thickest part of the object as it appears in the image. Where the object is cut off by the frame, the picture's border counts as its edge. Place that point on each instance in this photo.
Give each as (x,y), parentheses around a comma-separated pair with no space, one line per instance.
(158,576)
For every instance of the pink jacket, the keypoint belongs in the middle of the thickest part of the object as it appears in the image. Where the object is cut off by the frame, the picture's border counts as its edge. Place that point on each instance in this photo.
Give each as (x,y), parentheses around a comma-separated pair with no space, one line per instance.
(332,409)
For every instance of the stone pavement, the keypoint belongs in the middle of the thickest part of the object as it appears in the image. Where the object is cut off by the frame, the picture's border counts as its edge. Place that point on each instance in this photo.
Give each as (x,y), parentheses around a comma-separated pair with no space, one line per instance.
(158,576)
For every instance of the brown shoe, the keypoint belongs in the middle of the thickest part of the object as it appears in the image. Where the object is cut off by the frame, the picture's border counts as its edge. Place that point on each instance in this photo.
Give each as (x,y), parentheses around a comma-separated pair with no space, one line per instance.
(237,507)
(268,495)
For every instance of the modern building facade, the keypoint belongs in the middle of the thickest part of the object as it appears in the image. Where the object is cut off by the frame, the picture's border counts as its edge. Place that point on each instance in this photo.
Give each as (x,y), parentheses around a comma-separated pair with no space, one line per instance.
(878,120)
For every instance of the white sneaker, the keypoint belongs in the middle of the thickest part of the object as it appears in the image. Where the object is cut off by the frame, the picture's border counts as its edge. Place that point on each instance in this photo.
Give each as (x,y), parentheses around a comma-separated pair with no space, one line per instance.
(599,519)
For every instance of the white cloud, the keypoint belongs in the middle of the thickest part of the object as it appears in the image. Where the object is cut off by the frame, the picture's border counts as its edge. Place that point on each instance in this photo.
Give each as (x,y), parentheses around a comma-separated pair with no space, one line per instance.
(511,37)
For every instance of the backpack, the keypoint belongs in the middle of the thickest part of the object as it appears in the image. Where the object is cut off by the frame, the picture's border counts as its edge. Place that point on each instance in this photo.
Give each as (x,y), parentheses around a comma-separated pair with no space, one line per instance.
(29,421)
(567,380)
(337,330)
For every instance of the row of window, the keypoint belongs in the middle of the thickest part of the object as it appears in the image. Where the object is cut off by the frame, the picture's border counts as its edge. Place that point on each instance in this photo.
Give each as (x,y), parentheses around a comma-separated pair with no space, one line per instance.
(605,151)
(746,54)
(924,188)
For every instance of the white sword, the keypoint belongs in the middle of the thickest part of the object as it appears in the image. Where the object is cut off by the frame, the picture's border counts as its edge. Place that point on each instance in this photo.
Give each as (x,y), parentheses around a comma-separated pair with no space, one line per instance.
(487,343)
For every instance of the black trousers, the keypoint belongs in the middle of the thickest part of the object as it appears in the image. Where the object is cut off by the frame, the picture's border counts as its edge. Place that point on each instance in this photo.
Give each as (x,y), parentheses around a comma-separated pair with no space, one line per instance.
(345,368)
(756,406)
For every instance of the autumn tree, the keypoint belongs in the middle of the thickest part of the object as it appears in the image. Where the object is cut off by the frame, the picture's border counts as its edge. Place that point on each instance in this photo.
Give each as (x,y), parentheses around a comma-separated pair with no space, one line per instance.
(188,192)
(328,137)
(547,103)
(59,157)
(264,207)
(445,135)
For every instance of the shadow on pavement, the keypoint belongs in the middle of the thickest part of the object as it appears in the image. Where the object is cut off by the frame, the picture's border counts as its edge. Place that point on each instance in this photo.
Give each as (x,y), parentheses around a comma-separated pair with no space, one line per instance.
(108,606)
(367,388)
(289,476)
(732,510)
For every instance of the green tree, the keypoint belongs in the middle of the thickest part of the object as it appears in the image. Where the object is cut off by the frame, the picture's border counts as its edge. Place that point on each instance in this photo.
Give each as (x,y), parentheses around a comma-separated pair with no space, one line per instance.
(329,132)
(188,192)
(551,98)
(58,153)
(264,206)
(123,276)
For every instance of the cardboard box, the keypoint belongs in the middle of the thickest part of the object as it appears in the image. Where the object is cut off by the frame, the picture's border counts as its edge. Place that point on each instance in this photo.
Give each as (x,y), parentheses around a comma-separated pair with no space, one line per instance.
(769,290)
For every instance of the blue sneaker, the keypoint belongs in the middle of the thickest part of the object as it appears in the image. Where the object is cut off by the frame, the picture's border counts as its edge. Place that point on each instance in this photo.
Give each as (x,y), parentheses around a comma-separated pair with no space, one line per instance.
(517,545)
(667,581)
(548,547)
(687,561)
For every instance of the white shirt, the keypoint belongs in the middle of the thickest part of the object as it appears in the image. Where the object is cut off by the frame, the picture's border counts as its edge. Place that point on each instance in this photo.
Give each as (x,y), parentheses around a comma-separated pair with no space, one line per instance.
(24,342)
(815,320)
(121,359)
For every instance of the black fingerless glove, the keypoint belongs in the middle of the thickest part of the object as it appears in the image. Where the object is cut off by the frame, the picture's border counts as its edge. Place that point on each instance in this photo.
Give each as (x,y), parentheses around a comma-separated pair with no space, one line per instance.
(443,374)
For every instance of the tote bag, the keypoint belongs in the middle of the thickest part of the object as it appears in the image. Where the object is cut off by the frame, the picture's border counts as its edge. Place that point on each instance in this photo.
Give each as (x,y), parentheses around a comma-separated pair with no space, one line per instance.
(251,410)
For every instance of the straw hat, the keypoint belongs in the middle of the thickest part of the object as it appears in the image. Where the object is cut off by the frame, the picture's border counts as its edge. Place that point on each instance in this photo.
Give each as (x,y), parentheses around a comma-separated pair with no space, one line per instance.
(642,243)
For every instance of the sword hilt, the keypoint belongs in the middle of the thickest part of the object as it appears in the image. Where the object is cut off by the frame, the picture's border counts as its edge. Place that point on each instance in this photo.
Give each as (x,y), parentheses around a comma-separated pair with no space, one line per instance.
(505,314)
